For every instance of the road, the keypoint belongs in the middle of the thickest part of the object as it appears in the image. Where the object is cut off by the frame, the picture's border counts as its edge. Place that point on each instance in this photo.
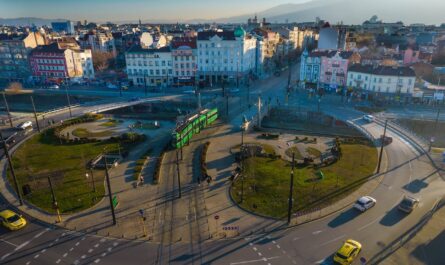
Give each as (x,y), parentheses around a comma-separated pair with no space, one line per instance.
(311,243)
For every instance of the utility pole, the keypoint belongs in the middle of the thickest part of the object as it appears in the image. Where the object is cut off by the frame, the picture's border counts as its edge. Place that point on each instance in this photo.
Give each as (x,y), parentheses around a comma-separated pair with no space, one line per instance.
(435,128)
(291,190)
(242,173)
(11,167)
(227,105)
(35,114)
(179,176)
(110,195)
(68,100)
(93,182)
(7,109)
(242,135)
(259,111)
(381,147)
(55,204)
(145,85)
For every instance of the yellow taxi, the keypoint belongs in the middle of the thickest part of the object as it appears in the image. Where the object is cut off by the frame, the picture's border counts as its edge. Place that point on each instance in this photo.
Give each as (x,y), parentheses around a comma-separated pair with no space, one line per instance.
(348,252)
(11,220)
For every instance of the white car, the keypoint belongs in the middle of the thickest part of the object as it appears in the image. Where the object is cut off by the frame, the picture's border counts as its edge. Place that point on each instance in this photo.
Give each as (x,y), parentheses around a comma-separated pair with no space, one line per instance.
(25,125)
(364,203)
(54,87)
(368,118)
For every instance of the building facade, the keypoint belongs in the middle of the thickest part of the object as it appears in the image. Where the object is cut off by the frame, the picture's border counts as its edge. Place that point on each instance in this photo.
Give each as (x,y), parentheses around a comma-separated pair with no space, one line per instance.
(150,67)
(66,27)
(14,52)
(225,56)
(184,56)
(334,68)
(382,79)
(56,62)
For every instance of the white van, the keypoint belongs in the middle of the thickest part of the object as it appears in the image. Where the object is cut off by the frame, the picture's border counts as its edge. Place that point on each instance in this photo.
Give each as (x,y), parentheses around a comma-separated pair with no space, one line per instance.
(368,118)
(25,125)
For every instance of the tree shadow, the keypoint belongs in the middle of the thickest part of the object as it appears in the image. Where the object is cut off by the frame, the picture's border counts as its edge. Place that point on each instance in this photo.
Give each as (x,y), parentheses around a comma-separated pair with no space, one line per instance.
(432,252)
(393,217)
(344,217)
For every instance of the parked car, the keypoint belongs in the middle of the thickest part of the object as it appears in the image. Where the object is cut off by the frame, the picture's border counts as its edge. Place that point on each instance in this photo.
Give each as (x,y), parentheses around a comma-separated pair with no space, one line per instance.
(364,203)
(54,86)
(368,118)
(25,125)
(408,204)
(12,220)
(111,86)
(348,252)
(386,140)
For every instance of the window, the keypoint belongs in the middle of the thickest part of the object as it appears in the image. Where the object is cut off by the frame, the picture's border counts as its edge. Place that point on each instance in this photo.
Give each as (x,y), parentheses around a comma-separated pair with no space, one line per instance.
(163,63)
(151,72)
(163,71)
(157,72)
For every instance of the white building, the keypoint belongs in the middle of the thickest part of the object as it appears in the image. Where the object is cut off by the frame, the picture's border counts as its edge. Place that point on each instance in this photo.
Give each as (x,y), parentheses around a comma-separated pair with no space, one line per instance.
(102,42)
(382,79)
(150,67)
(86,60)
(225,55)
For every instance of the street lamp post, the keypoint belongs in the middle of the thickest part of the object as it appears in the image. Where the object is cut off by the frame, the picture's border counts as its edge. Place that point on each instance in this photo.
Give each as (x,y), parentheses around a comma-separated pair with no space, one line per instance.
(381,147)
(68,99)
(11,167)
(435,128)
(179,176)
(35,114)
(7,110)
(110,195)
(291,190)
(55,204)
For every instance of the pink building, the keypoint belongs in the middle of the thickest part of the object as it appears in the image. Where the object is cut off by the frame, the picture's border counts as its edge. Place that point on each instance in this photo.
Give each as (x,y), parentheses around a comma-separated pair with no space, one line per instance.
(334,68)
(410,56)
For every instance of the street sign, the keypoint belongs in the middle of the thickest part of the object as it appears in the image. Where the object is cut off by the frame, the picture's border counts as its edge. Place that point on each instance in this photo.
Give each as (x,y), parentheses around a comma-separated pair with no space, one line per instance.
(216,217)
(115,201)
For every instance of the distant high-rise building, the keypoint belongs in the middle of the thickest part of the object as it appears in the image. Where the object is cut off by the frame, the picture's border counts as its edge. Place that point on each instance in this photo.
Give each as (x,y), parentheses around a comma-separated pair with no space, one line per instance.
(66,27)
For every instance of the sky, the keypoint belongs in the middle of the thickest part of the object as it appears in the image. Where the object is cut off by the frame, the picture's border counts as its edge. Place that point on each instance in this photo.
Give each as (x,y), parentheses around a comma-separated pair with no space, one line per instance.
(118,10)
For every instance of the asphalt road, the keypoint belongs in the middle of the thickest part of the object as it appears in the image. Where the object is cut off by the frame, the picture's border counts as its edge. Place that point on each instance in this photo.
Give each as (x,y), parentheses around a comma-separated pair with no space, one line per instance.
(311,243)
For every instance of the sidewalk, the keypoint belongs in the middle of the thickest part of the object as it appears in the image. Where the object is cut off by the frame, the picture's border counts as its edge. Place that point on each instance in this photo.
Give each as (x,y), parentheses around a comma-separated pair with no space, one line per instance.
(426,247)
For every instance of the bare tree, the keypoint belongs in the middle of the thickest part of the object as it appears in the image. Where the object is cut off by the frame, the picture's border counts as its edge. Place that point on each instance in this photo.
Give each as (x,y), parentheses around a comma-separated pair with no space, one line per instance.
(15,87)
(102,60)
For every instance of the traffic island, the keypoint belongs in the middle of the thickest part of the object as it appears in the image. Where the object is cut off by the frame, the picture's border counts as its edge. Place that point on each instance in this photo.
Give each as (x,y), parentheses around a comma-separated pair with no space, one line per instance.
(66,163)
(263,185)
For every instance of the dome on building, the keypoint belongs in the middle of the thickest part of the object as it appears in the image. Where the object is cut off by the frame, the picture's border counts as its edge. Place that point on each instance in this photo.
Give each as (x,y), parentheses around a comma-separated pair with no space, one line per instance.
(239,32)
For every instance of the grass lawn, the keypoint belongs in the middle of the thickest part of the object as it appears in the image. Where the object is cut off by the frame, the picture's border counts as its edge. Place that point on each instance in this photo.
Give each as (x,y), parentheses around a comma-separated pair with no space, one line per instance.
(313,152)
(85,133)
(266,181)
(43,156)
(294,150)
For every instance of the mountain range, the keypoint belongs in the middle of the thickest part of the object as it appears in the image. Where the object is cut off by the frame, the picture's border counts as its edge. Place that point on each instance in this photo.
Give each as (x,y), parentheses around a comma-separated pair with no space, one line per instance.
(346,11)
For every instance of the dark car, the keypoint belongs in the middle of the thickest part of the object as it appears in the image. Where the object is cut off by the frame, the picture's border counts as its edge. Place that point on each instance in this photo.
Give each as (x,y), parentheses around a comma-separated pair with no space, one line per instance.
(408,204)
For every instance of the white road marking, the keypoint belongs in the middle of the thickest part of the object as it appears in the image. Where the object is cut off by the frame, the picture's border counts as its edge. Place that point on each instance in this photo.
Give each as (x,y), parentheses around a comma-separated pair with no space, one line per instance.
(295,238)
(115,244)
(7,242)
(109,249)
(333,240)
(103,240)
(77,244)
(103,254)
(76,262)
(36,256)
(278,246)
(366,225)
(259,254)
(83,238)
(320,261)
(65,254)
(43,250)
(253,261)
(317,232)
(41,233)
(97,261)
(58,261)
(29,262)
(71,249)
(96,246)
(273,241)
(90,250)
(22,245)
(83,256)
(254,249)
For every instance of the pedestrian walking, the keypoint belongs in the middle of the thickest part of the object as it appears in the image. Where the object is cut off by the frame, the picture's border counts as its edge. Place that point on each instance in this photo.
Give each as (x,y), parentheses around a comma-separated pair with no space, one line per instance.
(141,180)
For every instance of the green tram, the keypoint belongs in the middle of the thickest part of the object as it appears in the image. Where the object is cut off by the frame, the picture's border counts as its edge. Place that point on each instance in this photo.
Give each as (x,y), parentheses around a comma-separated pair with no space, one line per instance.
(193,125)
